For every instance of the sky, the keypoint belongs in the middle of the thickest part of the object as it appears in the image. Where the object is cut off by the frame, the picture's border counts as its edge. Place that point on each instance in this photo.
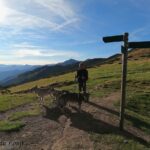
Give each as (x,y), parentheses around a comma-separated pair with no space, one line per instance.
(39,32)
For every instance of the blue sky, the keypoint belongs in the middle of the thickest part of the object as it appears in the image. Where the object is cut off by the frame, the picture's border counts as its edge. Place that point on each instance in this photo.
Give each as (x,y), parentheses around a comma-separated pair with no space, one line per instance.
(51,31)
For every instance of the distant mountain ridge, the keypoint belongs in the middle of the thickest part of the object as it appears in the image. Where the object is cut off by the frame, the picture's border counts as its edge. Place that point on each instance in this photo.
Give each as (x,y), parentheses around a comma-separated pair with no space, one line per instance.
(51,70)
(72,65)
(10,71)
(69,62)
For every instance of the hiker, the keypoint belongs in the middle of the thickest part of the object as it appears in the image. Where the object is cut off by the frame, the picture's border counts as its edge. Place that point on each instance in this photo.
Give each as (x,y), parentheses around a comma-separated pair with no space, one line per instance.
(82,77)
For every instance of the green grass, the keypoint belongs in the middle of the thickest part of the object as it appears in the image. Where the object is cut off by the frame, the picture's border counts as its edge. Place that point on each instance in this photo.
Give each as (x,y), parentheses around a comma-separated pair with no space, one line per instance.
(116,142)
(43,82)
(13,123)
(139,103)
(139,121)
(138,108)
(106,79)
(9,126)
(11,101)
(34,111)
(107,76)
(19,115)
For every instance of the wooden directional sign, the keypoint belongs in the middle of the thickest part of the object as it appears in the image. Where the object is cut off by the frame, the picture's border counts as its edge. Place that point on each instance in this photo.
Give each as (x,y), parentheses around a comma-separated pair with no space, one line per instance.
(124,50)
(144,44)
(117,38)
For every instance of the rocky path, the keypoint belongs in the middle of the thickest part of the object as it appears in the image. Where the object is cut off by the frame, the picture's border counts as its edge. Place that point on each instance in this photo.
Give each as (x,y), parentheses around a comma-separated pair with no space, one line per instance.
(69,131)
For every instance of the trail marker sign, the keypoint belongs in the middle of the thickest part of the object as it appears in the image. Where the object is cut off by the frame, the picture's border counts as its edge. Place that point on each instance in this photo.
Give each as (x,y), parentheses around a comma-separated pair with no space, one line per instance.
(124,51)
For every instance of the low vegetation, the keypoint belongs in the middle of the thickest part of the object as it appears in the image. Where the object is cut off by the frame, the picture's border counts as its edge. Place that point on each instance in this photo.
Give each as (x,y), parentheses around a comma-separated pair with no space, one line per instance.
(12,101)
(19,115)
(9,126)
(113,141)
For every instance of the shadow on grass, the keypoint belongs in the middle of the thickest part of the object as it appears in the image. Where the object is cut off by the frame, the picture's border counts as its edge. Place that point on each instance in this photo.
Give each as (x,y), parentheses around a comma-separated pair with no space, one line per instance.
(85,121)
(104,108)
(134,120)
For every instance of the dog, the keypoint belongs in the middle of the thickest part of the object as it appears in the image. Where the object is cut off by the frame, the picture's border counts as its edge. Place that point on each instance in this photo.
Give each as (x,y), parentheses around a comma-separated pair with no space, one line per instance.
(41,92)
(65,98)
(57,93)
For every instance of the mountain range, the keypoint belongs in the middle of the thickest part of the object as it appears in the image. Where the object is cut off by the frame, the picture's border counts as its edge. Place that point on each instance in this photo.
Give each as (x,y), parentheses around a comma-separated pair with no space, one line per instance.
(49,71)
(8,72)
(40,72)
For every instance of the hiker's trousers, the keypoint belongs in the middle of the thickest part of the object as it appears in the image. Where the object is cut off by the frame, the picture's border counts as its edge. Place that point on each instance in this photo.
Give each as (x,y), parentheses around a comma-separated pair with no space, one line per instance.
(82,86)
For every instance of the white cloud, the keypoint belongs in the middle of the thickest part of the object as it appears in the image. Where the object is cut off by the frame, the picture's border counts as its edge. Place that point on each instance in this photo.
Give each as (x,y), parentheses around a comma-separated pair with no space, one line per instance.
(4,12)
(43,53)
(54,15)
(25,53)
(59,8)
(28,61)
(84,42)
(24,45)
(140,33)
(69,22)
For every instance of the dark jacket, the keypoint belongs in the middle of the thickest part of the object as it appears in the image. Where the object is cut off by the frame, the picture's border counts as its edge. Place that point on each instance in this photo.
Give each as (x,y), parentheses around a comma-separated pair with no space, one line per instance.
(82,75)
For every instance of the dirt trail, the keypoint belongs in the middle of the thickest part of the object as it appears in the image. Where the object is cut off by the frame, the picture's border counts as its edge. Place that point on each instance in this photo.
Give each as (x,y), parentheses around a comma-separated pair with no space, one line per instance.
(54,131)
(73,138)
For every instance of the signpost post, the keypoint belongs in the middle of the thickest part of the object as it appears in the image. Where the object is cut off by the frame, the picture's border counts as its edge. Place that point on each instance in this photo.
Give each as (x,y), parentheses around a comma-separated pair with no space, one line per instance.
(124,50)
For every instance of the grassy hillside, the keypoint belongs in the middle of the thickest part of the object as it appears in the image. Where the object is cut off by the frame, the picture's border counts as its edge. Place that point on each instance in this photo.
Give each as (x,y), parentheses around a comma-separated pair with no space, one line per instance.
(104,80)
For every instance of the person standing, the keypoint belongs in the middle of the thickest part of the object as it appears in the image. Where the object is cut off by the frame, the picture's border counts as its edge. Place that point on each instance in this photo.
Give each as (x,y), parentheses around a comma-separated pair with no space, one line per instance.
(82,77)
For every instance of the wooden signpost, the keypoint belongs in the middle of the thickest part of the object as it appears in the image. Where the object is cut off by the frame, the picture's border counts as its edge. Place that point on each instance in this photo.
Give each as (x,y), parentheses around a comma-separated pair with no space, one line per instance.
(124,51)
